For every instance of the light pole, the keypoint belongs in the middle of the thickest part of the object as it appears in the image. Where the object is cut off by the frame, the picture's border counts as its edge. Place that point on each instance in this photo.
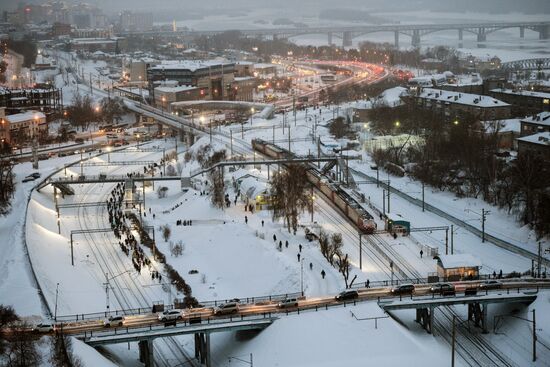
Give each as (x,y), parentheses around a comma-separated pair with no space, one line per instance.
(302,276)
(252,110)
(163,99)
(109,154)
(56,295)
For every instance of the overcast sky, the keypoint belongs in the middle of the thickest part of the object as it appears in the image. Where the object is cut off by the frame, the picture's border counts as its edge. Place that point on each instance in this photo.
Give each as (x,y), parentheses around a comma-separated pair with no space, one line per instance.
(488,6)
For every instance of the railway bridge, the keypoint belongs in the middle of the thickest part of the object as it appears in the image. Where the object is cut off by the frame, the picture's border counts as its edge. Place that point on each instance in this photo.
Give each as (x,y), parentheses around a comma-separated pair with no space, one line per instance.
(347,33)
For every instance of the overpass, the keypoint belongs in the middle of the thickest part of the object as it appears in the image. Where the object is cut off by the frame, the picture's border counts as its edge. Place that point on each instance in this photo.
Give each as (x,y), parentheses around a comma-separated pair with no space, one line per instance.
(201,330)
(477,305)
(347,33)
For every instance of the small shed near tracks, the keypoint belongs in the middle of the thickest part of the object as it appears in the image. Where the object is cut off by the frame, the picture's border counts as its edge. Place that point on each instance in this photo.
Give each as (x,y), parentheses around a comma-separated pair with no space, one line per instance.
(458,267)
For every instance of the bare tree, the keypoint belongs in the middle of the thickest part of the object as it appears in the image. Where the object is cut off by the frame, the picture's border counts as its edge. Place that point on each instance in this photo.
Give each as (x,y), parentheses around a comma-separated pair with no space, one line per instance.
(7,186)
(166,232)
(289,195)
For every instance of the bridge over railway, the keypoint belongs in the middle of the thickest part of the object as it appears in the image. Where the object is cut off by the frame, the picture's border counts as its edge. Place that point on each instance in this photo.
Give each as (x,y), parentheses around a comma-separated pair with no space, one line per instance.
(201,331)
(477,305)
(347,33)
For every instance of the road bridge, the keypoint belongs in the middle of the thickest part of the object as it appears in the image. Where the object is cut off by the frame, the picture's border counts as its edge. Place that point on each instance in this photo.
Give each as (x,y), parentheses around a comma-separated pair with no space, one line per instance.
(347,33)
(477,305)
(201,330)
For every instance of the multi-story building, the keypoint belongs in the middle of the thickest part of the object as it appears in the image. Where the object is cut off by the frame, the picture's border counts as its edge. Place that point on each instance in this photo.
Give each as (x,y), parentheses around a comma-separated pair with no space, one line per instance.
(61,29)
(451,105)
(535,124)
(213,77)
(131,21)
(536,143)
(26,125)
(529,101)
(108,45)
(16,100)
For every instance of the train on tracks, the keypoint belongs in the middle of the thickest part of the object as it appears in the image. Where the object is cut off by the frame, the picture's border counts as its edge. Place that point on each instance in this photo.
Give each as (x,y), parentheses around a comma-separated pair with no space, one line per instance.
(332,191)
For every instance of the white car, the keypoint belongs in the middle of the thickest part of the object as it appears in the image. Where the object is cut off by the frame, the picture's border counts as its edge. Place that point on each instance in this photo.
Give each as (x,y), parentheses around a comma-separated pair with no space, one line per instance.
(44,327)
(170,315)
(113,321)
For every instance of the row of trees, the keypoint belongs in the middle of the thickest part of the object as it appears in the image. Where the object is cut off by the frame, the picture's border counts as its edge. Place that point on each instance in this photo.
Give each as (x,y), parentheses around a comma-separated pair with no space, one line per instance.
(82,111)
(462,157)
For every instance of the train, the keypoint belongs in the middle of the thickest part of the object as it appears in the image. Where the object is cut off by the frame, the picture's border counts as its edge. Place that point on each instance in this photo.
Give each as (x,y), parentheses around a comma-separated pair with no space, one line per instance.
(331,190)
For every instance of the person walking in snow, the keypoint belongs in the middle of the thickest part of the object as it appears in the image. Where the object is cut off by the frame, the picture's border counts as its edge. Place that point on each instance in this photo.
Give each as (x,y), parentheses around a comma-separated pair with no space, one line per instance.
(298,257)
(323,274)
(421,253)
(310,266)
(245,219)
(300,247)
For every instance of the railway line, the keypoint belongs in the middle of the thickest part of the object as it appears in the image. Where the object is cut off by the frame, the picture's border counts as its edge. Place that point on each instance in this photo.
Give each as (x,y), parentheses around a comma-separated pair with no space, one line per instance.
(110,261)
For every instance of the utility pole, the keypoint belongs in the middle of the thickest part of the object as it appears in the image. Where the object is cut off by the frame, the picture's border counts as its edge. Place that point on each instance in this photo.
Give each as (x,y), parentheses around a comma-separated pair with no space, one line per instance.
(452,239)
(539,260)
(447,241)
(273,134)
(384,201)
(107,292)
(483,216)
(231,141)
(534,337)
(422,195)
(389,190)
(360,252)
(453,343)
(56,294)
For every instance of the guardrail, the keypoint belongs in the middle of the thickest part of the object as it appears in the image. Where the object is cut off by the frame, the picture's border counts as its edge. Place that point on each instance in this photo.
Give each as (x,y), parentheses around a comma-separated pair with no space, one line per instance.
(431,280)
(148,310)
(208,320)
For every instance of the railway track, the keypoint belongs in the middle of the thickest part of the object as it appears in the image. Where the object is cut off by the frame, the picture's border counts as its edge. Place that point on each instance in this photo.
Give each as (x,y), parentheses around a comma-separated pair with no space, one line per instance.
(110,261)
(471,347)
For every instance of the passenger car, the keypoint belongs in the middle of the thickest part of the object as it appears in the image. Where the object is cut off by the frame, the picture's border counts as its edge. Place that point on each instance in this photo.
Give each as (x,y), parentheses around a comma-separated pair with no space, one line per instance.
(113,321)
(170,315)
(347,294)
(227,308)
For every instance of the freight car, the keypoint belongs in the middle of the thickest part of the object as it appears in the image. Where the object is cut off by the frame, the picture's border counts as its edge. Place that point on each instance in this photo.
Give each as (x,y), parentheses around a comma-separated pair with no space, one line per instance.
(333,192)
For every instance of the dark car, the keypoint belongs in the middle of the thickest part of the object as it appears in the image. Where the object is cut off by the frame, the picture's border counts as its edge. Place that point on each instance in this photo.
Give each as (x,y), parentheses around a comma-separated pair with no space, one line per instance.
(403,289)
(35,174)
(345,295)
(443,288)
(490,284)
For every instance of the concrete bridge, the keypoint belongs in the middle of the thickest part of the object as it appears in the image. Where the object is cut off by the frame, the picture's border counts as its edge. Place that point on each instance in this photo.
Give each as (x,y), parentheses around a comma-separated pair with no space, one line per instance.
(477,305)
(346,34)
(201,331)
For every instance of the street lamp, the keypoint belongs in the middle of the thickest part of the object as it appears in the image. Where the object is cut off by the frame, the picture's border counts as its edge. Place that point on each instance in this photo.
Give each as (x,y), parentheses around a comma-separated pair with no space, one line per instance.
(252,110)
(163,99)
(109,149)
(137,136)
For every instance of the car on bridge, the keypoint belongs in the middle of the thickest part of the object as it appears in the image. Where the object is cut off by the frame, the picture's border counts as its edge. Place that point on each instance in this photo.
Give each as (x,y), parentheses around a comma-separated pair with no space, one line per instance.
(44,327)
(443,288)
(113,321)
(347,295)
(226,308)
(170,315)
(403,289)
(490,284)
(288,303)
